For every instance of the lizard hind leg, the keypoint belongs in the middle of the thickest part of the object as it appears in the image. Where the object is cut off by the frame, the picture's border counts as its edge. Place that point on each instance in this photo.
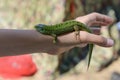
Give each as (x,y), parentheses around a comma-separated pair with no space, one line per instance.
(77,32)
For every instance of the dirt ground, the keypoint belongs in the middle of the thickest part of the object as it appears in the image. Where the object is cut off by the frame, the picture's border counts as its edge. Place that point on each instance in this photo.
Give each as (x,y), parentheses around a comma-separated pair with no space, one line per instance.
(105,74)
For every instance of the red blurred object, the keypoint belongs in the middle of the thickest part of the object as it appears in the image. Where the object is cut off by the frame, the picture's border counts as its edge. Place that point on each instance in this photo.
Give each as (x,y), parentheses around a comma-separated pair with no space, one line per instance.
(72,8)
(17,66)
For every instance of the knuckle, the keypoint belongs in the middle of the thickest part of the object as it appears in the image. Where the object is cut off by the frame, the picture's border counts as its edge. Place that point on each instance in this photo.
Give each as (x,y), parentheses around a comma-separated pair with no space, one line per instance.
(84,37)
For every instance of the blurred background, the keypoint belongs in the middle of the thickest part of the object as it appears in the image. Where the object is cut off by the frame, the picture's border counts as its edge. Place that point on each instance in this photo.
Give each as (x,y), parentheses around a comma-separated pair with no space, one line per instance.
(24,14)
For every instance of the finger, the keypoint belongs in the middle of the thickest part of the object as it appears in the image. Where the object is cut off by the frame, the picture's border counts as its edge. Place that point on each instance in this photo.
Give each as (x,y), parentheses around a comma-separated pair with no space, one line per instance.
(104,18)
(98,23)
(96,17)
(96,39)
(85,37)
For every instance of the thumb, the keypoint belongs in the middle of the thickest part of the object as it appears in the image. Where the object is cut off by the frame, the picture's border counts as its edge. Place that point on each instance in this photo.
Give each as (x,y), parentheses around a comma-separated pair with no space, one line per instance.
(98,40)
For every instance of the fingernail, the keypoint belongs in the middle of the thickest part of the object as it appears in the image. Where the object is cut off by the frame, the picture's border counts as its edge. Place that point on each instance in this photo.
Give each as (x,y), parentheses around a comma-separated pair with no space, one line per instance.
(110,42)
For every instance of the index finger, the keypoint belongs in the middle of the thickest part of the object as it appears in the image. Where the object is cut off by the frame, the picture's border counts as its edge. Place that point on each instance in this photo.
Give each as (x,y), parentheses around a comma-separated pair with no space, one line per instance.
(100,19)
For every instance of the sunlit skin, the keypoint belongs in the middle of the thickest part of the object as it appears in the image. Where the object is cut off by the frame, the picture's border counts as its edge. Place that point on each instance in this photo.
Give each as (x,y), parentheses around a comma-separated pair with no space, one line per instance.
(17,42)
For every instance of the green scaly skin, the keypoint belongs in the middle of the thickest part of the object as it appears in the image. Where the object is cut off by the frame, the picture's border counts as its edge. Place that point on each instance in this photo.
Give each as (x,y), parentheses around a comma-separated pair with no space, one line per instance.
(63,28)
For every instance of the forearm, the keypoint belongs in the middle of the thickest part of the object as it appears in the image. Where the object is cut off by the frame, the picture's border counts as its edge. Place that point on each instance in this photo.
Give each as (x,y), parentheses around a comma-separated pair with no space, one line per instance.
(16,42)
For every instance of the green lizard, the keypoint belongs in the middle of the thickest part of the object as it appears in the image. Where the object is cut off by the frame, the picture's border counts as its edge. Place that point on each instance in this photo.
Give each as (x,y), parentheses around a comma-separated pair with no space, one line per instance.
(63,28)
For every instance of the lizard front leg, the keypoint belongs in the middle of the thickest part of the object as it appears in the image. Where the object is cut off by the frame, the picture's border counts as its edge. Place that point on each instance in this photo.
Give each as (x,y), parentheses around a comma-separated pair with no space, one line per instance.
(55,40)
(77,32)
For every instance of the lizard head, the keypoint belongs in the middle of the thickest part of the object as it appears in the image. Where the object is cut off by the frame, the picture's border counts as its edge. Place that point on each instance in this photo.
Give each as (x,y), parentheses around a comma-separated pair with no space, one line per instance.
(40,27)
